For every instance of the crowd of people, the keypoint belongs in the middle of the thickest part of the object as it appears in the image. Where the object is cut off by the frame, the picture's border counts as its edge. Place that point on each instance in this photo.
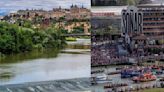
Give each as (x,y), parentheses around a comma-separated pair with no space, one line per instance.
(105,51)
(105,54)
(136,88)
(101,54)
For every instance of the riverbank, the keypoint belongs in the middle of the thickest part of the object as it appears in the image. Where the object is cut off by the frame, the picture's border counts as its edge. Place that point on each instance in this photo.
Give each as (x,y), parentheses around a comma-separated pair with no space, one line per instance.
(71,39)
(77,38)
(153,90)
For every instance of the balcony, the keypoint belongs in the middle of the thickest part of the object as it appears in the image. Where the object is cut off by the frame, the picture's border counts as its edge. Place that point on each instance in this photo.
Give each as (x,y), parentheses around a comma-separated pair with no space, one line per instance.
(153,16)
(154,26)
(156,21)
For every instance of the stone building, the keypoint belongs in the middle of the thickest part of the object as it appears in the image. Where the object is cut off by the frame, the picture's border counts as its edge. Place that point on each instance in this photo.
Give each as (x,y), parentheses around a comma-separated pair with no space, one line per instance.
(78,13)
(75,12)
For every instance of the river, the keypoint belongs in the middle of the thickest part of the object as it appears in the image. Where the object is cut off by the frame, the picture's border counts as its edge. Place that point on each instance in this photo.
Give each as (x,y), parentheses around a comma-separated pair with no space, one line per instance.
(116,78)
(69,63)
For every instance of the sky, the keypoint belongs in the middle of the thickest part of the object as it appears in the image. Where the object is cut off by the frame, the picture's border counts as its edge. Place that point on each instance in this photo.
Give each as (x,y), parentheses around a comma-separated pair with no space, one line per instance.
(7,6)
(117,9)
(157,1)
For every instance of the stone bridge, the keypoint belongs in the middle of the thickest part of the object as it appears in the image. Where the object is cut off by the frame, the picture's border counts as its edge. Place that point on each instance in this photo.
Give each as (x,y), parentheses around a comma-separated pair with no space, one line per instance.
(72,85)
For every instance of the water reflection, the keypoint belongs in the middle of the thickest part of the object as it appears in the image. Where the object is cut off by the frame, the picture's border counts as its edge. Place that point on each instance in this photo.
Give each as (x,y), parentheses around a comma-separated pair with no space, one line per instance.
(16,58)
(6,76)
(52,64)
(78,46)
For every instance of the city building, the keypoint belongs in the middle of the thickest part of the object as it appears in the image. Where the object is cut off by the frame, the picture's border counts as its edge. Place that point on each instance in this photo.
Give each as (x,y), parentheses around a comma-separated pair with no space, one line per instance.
(142,28)
(69,19)
(104,17)
(153,19)
(78,13)
(146,19)
(75,12)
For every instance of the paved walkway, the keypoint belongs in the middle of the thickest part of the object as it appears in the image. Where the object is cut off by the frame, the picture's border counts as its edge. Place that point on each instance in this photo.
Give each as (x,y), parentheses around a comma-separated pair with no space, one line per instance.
(73,85)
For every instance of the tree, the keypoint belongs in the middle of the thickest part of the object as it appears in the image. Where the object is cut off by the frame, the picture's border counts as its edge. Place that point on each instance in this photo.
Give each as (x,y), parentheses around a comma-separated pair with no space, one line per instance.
(78,30)
(15,39)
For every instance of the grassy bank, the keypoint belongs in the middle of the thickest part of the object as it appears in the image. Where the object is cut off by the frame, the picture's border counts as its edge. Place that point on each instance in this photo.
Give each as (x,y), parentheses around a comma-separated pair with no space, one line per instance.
(153,90)
(71,39)
(75,38)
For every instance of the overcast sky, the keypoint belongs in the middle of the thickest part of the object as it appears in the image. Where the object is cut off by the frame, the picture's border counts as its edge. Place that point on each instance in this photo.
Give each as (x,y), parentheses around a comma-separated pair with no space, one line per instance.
(7,6)
(158,1)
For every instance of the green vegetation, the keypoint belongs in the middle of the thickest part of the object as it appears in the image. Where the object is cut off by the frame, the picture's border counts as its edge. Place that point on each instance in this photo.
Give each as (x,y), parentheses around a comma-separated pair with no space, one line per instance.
(6,75)
(78,30)
(85,37)
(75,38)
(20,34)
(2,56)
(27,56)
(16,39)
(70,39)
(153,90)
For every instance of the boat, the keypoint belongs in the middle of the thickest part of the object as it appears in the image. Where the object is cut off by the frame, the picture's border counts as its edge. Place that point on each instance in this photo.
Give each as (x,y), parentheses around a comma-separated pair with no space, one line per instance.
(119,68)
(144,78)
(113,73)
(101,78)
(157,70)
(129,73)
(162,79)
(97,71)
(132,72)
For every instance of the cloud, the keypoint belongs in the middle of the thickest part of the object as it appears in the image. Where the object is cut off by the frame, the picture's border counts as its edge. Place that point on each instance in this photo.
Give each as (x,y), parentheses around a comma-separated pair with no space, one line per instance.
(157,1)
(13,5)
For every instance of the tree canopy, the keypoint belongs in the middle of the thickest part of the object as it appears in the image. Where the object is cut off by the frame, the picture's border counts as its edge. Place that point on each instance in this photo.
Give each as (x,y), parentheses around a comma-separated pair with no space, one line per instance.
(14,38)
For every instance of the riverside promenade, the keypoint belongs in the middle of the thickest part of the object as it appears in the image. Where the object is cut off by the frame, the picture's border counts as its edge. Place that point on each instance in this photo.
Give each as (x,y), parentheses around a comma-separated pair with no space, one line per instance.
(72,85)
